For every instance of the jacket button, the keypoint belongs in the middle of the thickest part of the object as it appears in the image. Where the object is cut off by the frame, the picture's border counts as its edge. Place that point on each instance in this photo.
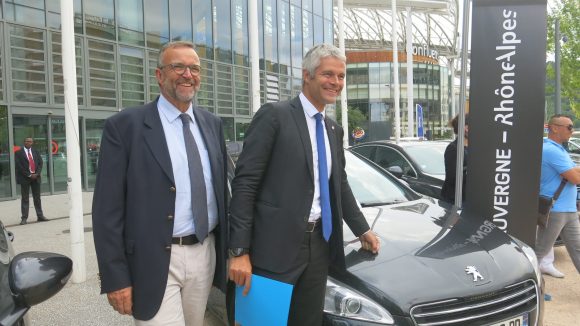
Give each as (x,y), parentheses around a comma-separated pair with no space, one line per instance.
(169,217)
(172,189)
(168,248)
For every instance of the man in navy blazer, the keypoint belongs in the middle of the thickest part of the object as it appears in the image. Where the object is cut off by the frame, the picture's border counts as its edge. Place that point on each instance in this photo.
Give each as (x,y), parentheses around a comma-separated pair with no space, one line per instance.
(277,211)
(155,262)
(28,169)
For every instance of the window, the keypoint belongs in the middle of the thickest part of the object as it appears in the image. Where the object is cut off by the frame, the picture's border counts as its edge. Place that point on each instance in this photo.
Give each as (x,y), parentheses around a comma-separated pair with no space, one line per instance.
(270,45)
(156,22)
(130,15)
(387,157)
(202,29)
(102,74)
(240,32)
(153,85)
(205,95)
(180,13)
(100,18)
(307,31)
(284,37)
(28,64)
(29,12)
(296,36)
(366,151)
(224,89)
(57,71)
(132,72)
(242,90)
(222,28)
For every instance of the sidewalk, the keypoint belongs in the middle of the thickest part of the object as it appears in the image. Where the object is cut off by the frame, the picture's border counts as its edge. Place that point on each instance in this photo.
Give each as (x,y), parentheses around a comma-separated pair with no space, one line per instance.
(75,304)
(53,206)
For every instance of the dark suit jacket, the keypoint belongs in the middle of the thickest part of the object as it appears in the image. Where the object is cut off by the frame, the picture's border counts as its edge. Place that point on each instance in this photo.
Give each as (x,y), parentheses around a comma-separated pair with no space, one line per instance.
(273,189)
(448,188)
(22,167)
(134,203)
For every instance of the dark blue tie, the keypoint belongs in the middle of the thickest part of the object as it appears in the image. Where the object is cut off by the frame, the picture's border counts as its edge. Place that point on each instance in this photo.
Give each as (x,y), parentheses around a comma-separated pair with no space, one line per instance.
(198,193)
(323,179)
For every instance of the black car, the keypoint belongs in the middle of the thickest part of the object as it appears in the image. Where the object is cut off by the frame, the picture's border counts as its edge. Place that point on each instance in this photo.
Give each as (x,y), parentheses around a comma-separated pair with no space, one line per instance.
(434,267)
(27,279)
(419,163)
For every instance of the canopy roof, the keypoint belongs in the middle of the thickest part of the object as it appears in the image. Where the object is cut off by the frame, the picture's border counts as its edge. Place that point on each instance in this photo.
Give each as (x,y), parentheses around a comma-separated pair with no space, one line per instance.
(368,24)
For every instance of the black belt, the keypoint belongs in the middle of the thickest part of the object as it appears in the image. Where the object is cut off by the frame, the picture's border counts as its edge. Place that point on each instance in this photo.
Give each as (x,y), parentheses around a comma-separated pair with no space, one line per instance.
(311,226)
(187,240)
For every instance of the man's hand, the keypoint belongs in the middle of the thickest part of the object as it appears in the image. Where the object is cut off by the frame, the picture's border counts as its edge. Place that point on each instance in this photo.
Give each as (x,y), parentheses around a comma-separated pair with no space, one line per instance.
(34,176)
(122,300)
(370,242)
(241,271)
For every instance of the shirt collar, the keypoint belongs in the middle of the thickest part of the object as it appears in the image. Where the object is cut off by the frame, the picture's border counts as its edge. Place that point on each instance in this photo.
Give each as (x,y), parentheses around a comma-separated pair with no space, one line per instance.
(553,142)
(309,109)
(170,112)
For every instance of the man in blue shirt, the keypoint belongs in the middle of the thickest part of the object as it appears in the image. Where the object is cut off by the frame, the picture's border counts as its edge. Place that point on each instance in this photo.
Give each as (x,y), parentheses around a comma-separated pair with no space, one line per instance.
(557,164)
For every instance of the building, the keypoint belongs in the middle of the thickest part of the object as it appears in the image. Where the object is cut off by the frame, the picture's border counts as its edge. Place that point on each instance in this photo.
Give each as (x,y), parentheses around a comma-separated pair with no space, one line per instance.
(116,56)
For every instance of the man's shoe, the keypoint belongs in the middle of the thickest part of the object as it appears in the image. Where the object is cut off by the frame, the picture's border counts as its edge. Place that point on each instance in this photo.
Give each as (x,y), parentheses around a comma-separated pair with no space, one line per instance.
(552,271)
(23,221)
(42,219)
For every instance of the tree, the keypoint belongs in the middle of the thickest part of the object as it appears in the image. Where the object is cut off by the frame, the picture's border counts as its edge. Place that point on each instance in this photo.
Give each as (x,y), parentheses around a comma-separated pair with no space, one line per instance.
(356,119)
(567,12)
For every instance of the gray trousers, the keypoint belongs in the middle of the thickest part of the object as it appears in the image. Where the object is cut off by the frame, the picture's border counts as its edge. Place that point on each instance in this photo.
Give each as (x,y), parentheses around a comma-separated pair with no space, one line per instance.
(566,224)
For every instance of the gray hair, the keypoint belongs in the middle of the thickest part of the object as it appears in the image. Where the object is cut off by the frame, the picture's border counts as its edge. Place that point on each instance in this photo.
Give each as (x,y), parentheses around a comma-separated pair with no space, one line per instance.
(312,59)
(173,45)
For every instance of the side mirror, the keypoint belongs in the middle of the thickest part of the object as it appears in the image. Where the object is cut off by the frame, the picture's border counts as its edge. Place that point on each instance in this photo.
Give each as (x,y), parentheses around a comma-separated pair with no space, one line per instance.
(36,276)
(396,171)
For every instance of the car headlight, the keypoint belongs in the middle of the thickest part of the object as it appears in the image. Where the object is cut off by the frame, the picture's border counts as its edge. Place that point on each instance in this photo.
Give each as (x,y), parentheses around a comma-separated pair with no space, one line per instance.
(345,302)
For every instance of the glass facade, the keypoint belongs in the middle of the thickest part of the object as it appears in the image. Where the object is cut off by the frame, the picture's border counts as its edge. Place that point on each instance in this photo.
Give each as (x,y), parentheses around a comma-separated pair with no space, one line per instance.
(116,57)
(370,90)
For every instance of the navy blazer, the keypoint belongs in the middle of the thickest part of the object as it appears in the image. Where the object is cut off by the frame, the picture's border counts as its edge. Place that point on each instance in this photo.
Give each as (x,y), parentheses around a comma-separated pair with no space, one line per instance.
(134,204)
(274,187)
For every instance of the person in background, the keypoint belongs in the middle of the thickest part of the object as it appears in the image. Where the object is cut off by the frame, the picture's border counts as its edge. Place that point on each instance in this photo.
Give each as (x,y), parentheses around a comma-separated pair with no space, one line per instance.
(557,165)
(28,164)
(291,193)
(448,189)
(159,205)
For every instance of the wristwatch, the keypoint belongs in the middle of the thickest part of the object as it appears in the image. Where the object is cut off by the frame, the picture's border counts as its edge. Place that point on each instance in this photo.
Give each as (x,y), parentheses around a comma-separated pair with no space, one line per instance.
(237,252)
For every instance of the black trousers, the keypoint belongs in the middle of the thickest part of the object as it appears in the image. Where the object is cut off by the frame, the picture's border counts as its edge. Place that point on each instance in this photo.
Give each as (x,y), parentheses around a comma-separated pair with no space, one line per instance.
(309,276)
(25,202)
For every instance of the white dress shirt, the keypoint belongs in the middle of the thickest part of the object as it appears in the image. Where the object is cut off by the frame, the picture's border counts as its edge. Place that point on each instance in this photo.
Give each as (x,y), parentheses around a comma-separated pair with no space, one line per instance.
(309,112)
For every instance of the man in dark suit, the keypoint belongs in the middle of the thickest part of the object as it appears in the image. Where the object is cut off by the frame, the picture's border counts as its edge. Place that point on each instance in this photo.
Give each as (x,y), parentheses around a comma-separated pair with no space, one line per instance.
(28,169)
(291,194)
(159,206)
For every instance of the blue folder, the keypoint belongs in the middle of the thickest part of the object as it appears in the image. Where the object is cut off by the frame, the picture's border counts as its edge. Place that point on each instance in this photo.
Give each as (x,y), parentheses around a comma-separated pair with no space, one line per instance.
(267,303)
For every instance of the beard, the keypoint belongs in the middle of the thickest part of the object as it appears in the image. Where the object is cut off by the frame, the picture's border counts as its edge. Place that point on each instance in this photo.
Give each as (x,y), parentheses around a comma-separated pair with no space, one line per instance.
(180,95)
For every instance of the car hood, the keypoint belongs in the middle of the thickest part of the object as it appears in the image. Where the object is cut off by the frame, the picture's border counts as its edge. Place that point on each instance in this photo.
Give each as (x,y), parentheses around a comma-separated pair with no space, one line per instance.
(425,251)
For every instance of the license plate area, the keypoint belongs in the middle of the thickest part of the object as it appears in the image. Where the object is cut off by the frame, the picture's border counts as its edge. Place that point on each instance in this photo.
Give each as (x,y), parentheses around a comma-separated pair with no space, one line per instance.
(521,320)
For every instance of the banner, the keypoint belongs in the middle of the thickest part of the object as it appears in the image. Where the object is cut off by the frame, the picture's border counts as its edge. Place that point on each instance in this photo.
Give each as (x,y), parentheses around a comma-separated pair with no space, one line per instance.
(420,132)
(508,66)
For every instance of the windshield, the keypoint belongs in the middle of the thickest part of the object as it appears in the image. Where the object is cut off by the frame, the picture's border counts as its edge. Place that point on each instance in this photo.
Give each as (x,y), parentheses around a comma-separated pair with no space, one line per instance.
(370,186)
(429,157)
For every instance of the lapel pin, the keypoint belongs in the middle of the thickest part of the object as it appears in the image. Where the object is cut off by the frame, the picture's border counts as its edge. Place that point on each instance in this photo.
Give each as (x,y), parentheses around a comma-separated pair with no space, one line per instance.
(332,127)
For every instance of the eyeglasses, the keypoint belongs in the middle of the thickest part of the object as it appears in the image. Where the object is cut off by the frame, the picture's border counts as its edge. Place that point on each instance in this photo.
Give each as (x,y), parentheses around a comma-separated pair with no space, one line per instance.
(180,68)
(569,127)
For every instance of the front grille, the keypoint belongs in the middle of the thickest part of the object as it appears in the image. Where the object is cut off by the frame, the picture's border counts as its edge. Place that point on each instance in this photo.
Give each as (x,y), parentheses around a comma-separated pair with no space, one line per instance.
(498,305)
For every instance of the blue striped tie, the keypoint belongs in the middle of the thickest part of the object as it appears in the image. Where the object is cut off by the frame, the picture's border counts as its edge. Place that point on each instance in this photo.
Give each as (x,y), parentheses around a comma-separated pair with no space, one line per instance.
(323,179)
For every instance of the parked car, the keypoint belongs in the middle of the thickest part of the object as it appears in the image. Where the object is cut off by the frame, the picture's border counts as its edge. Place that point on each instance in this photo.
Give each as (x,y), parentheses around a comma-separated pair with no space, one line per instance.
(435,267)
(420,163)
(27,279)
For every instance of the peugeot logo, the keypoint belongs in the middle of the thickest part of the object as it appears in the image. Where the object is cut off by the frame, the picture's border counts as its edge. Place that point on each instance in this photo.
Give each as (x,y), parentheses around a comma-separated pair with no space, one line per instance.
(471,270)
